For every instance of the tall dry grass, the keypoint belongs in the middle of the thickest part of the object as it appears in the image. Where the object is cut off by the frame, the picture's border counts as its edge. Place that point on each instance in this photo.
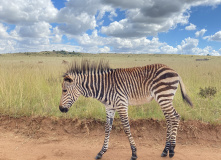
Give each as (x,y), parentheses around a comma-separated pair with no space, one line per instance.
(30,85)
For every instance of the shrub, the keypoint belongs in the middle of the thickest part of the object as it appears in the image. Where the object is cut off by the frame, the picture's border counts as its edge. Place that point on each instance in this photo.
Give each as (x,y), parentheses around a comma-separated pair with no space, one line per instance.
(208,92)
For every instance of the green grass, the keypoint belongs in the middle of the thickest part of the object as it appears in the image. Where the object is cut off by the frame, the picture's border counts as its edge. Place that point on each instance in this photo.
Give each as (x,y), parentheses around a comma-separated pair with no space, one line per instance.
(30,85)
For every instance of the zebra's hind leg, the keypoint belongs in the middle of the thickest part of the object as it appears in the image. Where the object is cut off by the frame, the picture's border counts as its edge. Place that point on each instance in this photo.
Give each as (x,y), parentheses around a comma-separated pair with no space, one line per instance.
(175,119)
(125,121)
(109,122)
(172,118)
(167,146)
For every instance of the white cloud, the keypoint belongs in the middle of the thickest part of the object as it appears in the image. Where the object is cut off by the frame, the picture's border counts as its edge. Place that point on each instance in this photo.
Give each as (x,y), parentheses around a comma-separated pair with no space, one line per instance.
(141,45)
(215,37)
(79,16)
(200,33)
(118,29)
(12,46)
(23,11)
(102,10)
(57,36)
(38,25)
(75,24)
(3,31)
(38,29)
(146,19)
(190,46)
(105,49)
(190,27)
(91,40)
(169,50)
(7,46)
(187,45)
(206,51)
(135,45)
(83,6)
(121,45)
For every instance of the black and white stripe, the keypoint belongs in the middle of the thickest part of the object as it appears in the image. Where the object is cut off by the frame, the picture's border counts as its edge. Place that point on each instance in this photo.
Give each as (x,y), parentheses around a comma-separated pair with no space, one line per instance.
(118,88)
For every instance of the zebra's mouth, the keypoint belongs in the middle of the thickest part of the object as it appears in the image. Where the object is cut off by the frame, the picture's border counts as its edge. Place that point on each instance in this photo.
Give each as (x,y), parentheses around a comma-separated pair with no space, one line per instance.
(62,109)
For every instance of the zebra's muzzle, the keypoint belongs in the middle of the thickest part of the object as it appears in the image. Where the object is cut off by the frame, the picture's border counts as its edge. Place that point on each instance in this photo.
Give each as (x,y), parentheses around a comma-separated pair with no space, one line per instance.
(62,109)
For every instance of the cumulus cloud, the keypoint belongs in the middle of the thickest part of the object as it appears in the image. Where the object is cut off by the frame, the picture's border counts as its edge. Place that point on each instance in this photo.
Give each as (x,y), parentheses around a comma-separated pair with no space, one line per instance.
(169,50)
(146,19)
(80,15)
(74,22)
(190,27)
(24,11)
(38,25)
(141,45)
(56,35)
(105,49)
(91,40)
(75,25)
(102,10)
(190,46)
(206,51)
(151,16)
(135,45)
(215,37)
(122,29)
(187,45)
(3,31)
(200,33)
(31,24)
(38,29)
(7,46)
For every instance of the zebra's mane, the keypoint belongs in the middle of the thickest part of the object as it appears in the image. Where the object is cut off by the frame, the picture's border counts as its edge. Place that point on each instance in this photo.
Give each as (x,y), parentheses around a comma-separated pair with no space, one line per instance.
(86,66)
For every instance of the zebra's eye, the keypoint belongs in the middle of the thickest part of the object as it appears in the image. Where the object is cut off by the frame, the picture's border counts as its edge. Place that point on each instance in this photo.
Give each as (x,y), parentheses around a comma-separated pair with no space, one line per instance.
(68,80)
(64,90)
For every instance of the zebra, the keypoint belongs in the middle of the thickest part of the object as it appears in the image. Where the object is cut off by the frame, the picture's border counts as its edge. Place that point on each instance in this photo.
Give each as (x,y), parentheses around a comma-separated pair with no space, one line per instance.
(118,88)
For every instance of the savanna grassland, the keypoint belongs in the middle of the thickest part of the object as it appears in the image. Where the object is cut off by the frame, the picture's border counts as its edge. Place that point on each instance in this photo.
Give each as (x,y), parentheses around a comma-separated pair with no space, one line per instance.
(30,85)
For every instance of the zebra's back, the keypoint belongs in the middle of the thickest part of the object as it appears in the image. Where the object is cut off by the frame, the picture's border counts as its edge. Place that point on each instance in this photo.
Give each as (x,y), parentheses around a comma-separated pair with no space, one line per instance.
(141,84)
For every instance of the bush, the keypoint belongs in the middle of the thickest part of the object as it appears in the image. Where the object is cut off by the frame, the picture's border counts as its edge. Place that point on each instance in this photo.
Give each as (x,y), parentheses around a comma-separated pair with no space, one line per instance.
(208,92)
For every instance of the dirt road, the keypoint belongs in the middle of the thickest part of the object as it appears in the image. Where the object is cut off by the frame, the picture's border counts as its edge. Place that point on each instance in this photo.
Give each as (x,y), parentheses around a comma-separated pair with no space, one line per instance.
(55,139)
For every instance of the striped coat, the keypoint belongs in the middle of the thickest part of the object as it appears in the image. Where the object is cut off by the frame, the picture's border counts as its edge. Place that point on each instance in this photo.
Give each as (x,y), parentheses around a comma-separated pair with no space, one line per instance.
(118,88)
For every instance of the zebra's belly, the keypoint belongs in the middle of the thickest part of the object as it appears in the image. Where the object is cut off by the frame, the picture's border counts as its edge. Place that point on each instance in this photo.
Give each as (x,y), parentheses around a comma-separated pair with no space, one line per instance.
(139,101)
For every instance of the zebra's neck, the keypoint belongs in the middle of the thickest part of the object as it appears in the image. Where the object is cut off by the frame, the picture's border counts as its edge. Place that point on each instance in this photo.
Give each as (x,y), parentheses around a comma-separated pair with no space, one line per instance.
(96,84)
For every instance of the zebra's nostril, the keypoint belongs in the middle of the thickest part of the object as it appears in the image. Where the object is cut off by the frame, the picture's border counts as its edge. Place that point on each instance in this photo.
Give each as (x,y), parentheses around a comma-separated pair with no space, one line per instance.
(62,109)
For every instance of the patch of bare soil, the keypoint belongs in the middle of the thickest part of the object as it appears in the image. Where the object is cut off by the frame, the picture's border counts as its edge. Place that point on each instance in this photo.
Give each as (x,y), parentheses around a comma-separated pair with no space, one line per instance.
(39,138)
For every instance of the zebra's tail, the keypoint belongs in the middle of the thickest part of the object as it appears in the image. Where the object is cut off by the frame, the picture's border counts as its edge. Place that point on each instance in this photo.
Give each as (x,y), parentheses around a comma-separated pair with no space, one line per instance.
(186,98)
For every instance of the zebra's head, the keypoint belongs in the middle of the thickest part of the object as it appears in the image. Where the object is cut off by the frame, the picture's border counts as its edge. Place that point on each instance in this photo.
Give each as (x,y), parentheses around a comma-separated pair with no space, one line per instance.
(70,93)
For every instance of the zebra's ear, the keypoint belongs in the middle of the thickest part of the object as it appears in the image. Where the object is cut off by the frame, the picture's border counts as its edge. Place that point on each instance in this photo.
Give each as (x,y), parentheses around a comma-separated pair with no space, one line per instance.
(68,78)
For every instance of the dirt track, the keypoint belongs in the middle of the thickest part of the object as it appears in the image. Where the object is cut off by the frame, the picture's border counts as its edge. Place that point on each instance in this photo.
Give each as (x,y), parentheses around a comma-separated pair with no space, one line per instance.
(56,139)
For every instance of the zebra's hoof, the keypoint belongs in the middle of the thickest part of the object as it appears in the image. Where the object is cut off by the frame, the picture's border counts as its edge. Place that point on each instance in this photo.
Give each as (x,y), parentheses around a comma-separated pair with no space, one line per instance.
(164,154)
(99,156)
(171,152)
(133,158)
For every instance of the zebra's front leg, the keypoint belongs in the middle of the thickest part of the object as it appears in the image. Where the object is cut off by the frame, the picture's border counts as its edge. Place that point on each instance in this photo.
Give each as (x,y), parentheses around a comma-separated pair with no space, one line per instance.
(125,121)
(109,122)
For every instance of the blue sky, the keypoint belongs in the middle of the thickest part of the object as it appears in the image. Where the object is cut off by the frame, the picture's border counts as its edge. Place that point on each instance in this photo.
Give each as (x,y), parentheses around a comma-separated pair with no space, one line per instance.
(204,17)
(110,26)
